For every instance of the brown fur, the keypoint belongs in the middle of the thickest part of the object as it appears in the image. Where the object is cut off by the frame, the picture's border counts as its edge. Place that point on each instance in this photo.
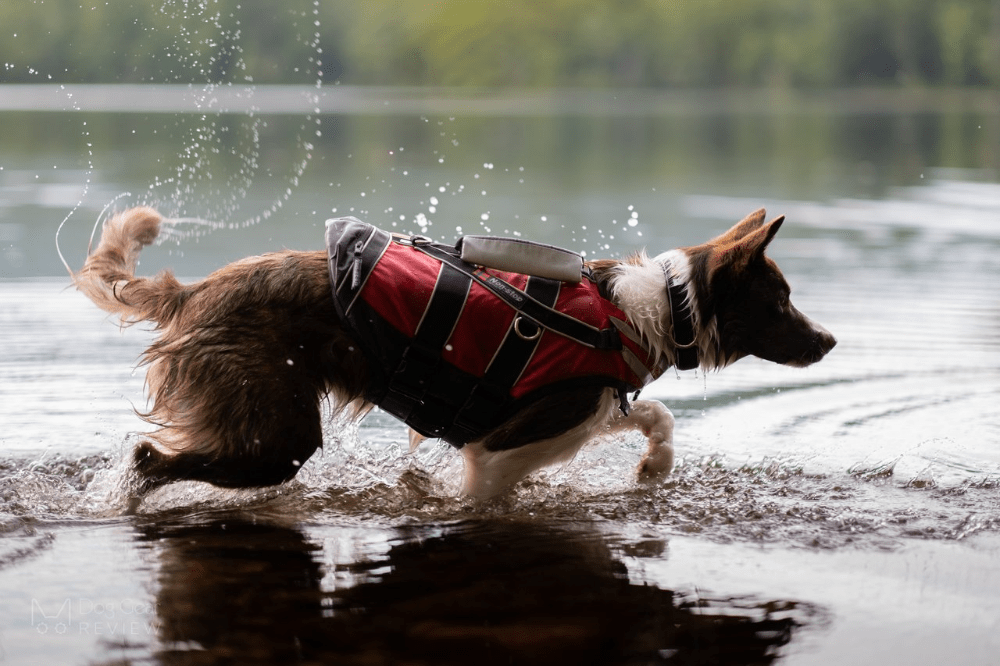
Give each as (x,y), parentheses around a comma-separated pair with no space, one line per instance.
(241,363)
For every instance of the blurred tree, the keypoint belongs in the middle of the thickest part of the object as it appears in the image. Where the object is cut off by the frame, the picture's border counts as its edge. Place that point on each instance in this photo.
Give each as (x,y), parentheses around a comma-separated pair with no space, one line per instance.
(522,43)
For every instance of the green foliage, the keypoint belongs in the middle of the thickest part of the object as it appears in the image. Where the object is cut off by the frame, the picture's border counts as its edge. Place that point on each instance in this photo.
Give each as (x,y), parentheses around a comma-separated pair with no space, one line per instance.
(522,43)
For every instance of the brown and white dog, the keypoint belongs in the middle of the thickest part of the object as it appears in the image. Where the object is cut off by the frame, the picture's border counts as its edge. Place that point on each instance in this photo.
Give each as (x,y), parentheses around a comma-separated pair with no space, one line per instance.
(245,356)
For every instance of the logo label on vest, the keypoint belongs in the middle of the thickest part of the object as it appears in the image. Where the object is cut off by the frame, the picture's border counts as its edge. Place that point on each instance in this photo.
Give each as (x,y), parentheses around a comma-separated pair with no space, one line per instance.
(501,286)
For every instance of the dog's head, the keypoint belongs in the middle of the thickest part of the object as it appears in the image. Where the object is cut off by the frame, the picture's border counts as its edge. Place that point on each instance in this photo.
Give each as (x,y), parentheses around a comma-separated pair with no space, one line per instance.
(748,298)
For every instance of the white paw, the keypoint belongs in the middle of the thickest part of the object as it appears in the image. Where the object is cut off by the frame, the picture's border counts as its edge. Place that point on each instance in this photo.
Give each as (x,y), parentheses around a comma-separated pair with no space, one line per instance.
(658,462)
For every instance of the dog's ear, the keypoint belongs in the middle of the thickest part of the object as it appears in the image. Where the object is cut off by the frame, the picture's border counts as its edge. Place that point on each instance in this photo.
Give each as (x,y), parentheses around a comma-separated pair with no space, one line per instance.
(770,229)
(739,252)
(747,225)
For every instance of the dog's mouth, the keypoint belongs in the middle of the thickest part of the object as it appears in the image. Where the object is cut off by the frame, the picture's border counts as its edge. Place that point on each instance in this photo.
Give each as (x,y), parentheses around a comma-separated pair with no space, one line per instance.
(800,353)
(823,343)
(802,346)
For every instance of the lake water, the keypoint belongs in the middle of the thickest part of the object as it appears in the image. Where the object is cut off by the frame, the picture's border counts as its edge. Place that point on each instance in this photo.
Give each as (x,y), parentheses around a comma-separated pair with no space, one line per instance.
(844,513)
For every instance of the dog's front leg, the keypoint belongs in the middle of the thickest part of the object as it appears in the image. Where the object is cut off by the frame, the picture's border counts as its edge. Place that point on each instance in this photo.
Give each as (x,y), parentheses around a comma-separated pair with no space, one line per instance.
(656,422)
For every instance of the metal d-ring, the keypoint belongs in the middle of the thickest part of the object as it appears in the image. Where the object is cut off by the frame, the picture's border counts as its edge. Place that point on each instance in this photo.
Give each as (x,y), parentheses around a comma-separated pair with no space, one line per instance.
(529,338)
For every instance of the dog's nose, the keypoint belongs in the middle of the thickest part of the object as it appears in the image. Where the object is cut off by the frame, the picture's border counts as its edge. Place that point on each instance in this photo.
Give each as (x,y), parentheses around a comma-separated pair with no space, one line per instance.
(824,339)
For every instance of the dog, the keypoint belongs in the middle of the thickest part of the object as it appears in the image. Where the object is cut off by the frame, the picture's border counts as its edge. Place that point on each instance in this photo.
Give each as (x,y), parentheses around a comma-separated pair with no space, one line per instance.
(245,357)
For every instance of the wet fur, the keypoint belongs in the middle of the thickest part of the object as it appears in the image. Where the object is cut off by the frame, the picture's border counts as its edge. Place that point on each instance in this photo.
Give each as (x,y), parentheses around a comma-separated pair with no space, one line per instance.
(244,357)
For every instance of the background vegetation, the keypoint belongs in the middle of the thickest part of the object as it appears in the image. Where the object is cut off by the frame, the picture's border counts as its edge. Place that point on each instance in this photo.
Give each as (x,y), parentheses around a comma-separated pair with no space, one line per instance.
(518,43)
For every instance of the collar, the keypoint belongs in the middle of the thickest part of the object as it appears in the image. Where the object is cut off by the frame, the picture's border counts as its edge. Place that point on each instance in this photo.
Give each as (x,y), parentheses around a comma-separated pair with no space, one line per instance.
(681,333)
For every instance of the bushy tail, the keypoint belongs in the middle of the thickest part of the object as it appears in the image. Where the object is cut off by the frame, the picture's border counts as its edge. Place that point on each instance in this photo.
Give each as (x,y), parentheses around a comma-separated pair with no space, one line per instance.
(108,276)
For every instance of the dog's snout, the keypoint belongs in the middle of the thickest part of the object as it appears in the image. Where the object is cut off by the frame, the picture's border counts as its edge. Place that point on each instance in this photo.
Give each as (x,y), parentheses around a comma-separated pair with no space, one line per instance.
(822,342)
(825,339)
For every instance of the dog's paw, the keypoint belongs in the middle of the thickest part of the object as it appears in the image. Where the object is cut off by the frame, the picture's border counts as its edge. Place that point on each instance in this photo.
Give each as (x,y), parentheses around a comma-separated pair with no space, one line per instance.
(657,463)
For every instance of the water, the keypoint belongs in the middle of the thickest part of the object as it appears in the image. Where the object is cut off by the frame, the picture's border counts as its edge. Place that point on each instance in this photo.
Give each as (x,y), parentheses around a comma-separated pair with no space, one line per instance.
(848,511)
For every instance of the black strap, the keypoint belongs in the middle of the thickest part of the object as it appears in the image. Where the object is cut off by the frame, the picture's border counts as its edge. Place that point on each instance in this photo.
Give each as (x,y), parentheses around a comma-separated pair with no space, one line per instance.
(541,314)
(490,396)
(519,344)
(685,350)
(422,356)
(444,308)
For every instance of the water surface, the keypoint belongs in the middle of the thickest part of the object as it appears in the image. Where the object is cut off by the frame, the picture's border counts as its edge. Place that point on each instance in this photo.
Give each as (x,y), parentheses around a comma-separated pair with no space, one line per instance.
(848,511)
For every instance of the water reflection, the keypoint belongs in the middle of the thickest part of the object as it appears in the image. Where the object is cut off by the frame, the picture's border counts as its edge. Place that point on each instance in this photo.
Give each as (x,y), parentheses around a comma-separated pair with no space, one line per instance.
(493,591)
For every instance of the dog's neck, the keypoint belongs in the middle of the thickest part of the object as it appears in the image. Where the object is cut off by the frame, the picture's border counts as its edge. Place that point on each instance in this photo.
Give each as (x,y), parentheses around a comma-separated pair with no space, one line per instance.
(637,286)
(680,331)
(706,334)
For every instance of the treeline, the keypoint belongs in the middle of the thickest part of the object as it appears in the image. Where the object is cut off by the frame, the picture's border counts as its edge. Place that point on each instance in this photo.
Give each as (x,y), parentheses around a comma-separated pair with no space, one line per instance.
(522,43)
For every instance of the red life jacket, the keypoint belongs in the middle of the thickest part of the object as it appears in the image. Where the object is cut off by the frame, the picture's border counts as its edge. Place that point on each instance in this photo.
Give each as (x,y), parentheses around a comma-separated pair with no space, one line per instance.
(455,349)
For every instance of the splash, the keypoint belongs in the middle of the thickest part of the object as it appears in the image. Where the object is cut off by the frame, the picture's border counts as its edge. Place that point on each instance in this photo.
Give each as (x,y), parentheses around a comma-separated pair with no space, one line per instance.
(216,178)
(219,167)
(364,475)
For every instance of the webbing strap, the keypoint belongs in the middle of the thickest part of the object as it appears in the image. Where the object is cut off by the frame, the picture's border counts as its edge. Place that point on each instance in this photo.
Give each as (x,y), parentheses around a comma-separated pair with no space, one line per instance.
(682,326)
(488,398)
(542,315)
(520,343)
(422,356)
(445,307)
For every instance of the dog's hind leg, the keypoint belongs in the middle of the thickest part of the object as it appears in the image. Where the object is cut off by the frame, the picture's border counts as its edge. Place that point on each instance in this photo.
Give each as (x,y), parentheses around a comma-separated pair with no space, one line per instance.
(655,421)
(267,447)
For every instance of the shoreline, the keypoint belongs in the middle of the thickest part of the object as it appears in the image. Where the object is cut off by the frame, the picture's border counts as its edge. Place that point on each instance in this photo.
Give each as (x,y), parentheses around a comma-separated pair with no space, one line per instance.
(376,100)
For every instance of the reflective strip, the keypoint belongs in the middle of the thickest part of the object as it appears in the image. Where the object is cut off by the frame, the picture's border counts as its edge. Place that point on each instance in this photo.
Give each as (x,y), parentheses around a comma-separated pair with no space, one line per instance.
(637,366)
(628,332)
(658,366)
(371,254)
